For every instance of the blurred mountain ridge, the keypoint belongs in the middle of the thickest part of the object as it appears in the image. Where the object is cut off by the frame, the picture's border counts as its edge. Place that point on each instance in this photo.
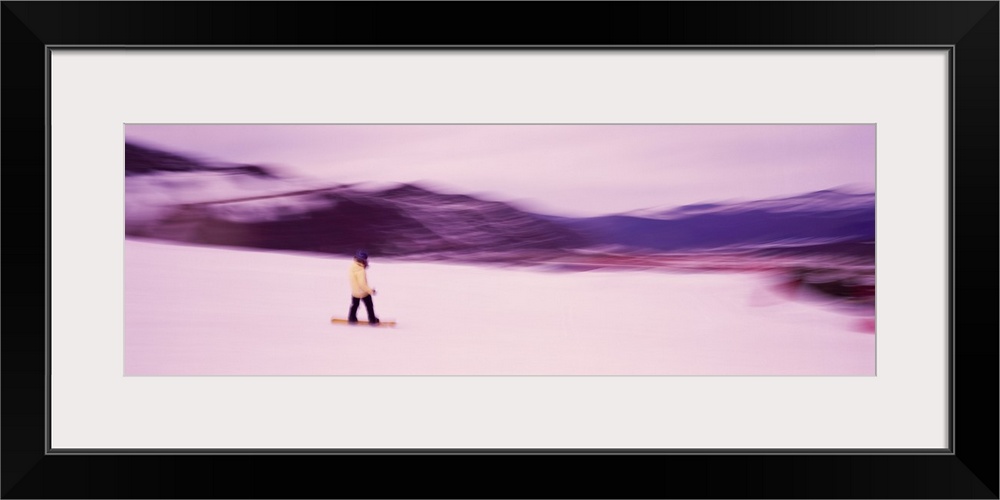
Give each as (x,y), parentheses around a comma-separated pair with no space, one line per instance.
(826,200)
(173,197)
(141,160)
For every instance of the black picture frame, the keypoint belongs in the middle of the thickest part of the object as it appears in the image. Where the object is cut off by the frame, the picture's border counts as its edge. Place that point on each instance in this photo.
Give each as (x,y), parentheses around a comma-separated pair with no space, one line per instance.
(968,470)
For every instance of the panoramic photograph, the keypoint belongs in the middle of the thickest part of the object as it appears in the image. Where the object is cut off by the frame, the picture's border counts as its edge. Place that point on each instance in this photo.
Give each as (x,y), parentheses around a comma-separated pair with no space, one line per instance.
(499,249)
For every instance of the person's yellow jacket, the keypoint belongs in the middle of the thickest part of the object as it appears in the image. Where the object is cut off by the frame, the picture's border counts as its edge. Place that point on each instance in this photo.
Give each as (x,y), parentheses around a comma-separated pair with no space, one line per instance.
(359,281)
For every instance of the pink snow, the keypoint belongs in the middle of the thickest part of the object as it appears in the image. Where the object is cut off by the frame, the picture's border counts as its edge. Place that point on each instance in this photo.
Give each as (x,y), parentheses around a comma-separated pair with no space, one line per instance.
(212,311)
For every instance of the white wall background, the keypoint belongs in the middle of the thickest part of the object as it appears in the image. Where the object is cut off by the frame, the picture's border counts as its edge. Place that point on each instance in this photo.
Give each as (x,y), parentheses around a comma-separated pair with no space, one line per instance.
(94,93)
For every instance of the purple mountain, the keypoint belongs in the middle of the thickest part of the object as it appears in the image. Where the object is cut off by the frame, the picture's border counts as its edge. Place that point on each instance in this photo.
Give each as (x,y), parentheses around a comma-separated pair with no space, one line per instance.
(819,219)
(141,160)
(173,197)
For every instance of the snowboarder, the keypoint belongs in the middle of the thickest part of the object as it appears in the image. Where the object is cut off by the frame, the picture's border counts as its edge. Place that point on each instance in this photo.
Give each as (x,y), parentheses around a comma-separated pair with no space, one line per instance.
(360,291)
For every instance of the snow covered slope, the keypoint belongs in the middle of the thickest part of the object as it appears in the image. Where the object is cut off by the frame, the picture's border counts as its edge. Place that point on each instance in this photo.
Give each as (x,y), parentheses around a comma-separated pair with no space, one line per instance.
(192,310)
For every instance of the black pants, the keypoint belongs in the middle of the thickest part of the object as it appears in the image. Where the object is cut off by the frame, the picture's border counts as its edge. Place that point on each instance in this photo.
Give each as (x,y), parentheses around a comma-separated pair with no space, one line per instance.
(369,306)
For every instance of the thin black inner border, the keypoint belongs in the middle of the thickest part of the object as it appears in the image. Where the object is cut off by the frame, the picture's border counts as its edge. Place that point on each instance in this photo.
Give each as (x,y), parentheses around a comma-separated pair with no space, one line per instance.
(949,450)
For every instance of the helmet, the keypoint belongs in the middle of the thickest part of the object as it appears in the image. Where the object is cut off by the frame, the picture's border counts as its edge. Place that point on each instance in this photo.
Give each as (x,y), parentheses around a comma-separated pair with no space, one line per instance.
(361,255)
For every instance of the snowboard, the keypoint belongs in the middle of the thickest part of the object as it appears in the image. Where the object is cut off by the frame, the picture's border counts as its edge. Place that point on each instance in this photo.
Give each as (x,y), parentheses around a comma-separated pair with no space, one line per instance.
(361,322)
